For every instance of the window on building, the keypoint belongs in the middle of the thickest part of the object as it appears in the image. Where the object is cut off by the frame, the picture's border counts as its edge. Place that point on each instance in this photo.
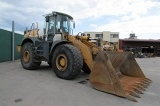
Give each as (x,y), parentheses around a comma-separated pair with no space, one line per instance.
(114,36)
(99,35)
(88,35)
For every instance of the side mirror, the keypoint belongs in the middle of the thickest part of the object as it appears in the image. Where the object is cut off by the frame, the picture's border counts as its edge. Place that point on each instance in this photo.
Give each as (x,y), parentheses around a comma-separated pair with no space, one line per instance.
(47,18)
(25,31)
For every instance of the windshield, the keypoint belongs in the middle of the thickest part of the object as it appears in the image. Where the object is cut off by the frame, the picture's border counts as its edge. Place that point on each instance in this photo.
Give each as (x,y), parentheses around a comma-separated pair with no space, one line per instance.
(64,24)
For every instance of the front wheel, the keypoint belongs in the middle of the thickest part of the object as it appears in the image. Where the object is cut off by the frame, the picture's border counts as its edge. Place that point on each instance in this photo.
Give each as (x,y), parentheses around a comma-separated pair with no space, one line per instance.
(27,57)
(67,61)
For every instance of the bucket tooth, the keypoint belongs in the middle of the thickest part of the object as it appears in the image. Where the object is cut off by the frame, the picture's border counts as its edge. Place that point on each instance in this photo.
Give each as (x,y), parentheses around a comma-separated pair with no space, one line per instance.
(146,83)
(141,87)
(142,84)
(138,85)
(134,89)
(143,81)
(138,91)
(149,80)
(133,93)
(131,98)
(135,86)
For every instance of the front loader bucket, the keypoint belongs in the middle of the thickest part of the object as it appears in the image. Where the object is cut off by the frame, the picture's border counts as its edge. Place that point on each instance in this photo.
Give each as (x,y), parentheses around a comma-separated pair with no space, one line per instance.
(119,74)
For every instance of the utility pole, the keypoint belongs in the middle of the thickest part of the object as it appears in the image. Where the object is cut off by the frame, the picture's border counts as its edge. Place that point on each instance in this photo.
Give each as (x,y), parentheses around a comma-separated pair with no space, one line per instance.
(12,40)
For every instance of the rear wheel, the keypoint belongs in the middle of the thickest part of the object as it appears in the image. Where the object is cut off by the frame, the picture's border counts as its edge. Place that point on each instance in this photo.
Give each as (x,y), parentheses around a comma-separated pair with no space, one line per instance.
(27,57)
(67,61)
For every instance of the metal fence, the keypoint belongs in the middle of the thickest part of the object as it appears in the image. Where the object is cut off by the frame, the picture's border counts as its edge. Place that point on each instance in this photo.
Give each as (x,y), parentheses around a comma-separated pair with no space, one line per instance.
(10,37)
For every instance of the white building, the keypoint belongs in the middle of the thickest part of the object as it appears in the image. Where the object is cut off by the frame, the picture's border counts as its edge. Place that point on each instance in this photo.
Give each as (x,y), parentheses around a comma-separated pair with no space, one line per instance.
(107,36)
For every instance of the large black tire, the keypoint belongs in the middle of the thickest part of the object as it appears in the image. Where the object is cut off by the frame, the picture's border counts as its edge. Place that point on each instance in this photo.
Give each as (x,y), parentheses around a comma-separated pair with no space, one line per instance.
(72,63)
(27,57)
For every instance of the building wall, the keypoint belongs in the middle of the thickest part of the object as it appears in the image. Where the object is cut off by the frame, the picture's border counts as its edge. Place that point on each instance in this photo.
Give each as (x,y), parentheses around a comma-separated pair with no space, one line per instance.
(139,44)
(133,44)
(6,45)
(107,35)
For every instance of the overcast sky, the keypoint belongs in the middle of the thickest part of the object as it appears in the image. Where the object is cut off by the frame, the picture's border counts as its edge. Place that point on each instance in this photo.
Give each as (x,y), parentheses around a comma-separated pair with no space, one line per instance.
(141,17)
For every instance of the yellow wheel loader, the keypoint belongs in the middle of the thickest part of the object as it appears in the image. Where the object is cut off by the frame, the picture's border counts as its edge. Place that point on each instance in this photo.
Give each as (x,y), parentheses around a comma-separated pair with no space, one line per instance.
(112,72)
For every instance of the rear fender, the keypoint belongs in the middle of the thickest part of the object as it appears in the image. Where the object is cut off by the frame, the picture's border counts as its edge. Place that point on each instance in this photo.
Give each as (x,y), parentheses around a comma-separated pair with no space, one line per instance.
(30,39)
(25,40)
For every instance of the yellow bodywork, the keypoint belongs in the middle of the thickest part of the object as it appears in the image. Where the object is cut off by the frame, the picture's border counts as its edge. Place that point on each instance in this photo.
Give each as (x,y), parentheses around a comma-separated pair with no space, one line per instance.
(86,48)
(32,33)
(19,48)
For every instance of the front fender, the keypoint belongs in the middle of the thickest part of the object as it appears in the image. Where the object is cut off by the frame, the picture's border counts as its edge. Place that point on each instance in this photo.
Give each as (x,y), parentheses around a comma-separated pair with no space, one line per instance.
(56,44)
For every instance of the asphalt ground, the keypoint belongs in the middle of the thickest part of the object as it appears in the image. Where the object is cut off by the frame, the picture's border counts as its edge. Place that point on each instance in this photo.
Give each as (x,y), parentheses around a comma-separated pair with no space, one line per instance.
(20,87)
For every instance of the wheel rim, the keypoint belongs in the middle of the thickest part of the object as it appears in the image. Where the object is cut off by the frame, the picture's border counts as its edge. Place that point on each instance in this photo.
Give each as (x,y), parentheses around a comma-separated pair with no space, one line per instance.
(26,56)
(61,62)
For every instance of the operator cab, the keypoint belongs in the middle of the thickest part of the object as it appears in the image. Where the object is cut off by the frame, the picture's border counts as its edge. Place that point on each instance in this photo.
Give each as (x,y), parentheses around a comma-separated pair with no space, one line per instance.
(57,23)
